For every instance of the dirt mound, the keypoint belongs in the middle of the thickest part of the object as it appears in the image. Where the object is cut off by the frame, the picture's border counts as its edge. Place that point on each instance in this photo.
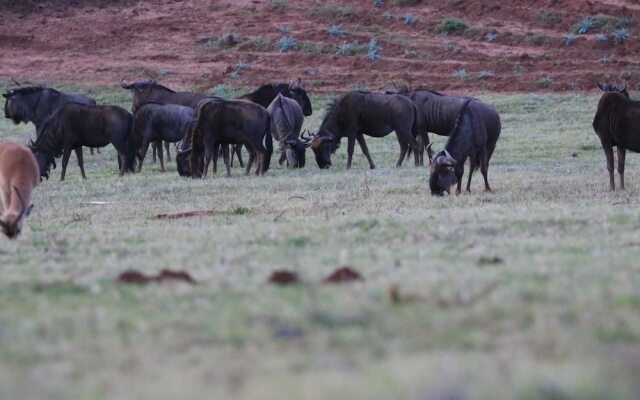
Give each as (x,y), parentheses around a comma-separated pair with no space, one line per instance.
(457,46)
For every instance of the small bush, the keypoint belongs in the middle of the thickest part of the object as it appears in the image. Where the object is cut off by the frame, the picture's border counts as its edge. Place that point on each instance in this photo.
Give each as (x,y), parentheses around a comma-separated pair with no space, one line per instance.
(256,44)
(491,37)
(460,73)
(545,81)
(284,29)
(485,75)
(451,26)
(585,26)
(335,31)
(378,3)
(534,40)
(405,2)
(242,65)
(621,35)
(602,37)
(373,50)
(568,39)
(408,19)
(387,16)
(285,44)
(331,12)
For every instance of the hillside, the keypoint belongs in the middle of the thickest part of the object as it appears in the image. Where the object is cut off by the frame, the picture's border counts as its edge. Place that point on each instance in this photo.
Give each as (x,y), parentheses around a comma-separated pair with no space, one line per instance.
(486,45)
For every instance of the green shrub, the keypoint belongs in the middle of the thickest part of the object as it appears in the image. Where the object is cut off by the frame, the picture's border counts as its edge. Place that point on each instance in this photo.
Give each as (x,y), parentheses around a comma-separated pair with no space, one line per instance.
(451,26)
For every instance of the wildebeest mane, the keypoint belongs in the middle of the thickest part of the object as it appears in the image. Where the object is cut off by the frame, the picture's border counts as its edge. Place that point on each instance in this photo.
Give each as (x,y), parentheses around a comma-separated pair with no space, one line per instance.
(32,90)
(149,85)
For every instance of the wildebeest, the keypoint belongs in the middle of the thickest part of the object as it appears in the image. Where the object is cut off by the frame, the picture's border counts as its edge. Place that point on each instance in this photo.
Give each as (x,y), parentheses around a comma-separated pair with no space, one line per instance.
(218,122)
(156,122)
(265,94)
(474,136)
(286,122)
(19,175)
(75,125)
(360,113)
(617,123)
(152,92)
(35,103)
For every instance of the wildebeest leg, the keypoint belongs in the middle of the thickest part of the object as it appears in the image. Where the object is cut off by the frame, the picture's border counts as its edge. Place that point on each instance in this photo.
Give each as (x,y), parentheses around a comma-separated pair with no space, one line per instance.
(473,165)
(66,153)
(153,147)
(227,161)
(283,157)
(404,148)
(252,158)
(608,152)
(80,160)
(351,144)
(166,146)
(484,169)
(214,155)
(143,153)
(365,150)
(160,157)
(238,150)
(91,150)
(621,154)
(208,153)
(459,174)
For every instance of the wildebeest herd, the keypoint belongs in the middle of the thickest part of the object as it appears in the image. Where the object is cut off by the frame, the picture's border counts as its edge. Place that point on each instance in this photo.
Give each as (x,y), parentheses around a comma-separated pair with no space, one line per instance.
(204,127)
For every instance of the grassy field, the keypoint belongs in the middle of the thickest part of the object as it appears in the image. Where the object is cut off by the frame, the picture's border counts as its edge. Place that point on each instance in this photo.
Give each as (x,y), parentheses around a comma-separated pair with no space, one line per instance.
(557,317)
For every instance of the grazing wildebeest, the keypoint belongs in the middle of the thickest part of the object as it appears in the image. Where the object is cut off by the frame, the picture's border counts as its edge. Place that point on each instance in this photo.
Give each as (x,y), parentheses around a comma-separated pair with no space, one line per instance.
(19,175)
(75,125)
(286,122)
(222,122)
(474,136)
(360,113)
(152,92)
(35,103)
(265,94)
(617,123)
(156,122)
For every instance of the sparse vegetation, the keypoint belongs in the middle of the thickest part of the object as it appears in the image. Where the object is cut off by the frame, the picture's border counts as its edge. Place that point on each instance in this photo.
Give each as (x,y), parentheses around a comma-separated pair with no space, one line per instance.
(545,81)
(547,16)
(348,49)
(621,35)
(336,31)
(485,74)
(451,26)
(568,39)
(408,19)
(286,43)
(460,73)
(278,5)
(374,50)
(387,16)
(601,23)
(491,37)
(332,12)
(535,40)
(601,37)
(378,3)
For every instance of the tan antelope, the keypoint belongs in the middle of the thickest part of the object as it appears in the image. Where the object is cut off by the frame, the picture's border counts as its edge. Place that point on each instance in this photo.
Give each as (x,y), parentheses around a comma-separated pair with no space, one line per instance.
(19,175)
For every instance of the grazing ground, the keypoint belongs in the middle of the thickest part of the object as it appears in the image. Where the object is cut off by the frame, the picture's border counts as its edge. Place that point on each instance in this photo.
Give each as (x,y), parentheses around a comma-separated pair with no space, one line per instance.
(529,292)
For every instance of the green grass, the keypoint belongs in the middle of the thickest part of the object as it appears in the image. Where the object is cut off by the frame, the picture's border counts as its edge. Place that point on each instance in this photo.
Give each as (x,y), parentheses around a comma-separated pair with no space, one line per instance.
(557,319)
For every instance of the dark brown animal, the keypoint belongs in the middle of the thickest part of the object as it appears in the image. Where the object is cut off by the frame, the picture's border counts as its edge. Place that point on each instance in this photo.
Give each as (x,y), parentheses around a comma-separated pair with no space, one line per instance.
(617,123)
(474,136)
(265,94)
(608,87)
(360,113)
(286,122)
(152,92)
(155,122)
(218,122)
(19,175)
(75,125)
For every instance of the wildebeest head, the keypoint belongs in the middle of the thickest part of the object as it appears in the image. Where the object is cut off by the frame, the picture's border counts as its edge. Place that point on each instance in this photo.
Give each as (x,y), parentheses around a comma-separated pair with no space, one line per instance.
(295,151)
(299,94)
(45,160)
(183,161)
(442,173)
(19,103)
(143,92)
(322,145)
(608,87)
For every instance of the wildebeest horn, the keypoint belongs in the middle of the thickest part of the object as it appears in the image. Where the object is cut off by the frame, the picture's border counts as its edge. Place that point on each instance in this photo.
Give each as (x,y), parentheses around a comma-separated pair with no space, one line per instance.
(449,156)
(16,82)
(394,85)
(150,77)
(122,84)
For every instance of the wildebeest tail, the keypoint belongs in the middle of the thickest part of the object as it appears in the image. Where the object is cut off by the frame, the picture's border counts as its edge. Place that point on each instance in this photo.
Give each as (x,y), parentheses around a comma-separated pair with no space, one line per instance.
(268,145)
(130,146)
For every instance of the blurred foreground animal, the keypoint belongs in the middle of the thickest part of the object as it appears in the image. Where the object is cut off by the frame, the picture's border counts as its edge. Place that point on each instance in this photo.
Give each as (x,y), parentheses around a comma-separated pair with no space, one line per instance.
(474,136)
(19,175)
(286,122)
(220,123)
(360,113)
(617,123)
(75,125)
